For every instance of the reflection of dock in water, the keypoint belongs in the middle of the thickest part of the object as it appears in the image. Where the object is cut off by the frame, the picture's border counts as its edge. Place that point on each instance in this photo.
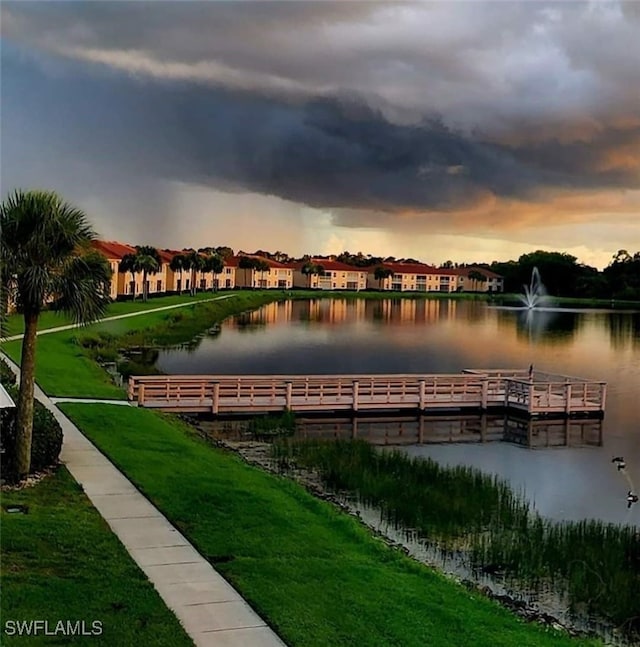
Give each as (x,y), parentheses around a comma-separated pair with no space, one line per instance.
(439,429)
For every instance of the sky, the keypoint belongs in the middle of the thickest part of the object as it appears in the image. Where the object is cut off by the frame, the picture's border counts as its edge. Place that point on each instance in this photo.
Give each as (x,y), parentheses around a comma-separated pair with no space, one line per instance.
(465,131)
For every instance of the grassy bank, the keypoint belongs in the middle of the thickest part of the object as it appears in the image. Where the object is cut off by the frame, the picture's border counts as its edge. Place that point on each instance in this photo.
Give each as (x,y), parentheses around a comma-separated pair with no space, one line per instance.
(66,361)
(316,574)
(60,561)
(51,319)
(597,564)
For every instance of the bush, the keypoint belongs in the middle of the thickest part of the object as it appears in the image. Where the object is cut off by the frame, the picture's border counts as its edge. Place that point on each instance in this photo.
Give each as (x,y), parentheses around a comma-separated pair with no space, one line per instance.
(46,441)
(7,376)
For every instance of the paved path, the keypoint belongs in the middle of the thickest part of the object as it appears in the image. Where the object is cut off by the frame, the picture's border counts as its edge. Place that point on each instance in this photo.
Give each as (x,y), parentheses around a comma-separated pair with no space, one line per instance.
(47,331)
(211,611)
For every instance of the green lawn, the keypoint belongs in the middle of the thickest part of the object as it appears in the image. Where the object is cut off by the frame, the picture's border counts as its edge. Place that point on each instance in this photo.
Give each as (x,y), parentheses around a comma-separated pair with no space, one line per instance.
(50,319)
(316,575)
(63,368)
(62,562)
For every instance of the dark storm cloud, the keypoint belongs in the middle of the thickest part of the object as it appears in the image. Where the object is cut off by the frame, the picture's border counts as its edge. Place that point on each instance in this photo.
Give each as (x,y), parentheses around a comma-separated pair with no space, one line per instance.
(368,109)
(323,152)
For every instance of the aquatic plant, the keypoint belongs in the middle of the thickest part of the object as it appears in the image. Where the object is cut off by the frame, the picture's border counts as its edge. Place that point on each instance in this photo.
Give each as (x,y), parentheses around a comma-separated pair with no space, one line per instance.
(597,565)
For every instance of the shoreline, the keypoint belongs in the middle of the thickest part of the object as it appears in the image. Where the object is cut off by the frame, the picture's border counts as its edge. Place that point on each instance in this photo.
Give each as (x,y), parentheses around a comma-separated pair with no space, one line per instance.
(257,454)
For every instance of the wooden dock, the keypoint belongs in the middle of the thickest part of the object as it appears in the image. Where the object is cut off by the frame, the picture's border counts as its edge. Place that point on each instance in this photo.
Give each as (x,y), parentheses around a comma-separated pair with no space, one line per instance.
(541,394)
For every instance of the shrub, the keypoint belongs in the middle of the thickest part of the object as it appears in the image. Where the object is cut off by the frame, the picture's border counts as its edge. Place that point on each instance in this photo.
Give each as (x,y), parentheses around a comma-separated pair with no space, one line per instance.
(46,441)
(7,376)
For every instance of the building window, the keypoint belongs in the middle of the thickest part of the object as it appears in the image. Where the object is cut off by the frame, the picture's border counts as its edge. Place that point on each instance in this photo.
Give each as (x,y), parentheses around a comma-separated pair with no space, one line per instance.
(262,283)
(158,286)
(352,285)
(186,284)
(282,283)
(396,286)
(227,283)
(178,284)
(203,284)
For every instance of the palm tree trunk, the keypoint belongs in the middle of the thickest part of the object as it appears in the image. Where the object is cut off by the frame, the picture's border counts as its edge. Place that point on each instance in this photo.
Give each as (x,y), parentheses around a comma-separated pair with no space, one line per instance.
(133,286)
(24,421)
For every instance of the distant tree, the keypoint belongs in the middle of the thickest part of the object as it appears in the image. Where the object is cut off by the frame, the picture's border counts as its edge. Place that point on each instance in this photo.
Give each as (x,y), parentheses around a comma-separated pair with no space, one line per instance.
(194,262)
(214,264)
(128,264)
(381,273)
(262,267)
(310,269)
(179,264)
(447,265)
(622,276)
(146,259)
(247,263)
(476,277)
(224,252)
(45,255)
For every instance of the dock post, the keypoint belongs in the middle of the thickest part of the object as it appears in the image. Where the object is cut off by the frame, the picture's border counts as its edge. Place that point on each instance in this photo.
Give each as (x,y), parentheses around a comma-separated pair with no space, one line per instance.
(215,399)
(422,393)
(356,389)
(603,396)
(141,395)
(567,393)
(485,390)
(288,396)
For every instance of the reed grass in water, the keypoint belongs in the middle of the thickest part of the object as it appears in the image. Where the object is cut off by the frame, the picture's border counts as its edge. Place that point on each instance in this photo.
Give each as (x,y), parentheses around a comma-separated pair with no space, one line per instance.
(459,508)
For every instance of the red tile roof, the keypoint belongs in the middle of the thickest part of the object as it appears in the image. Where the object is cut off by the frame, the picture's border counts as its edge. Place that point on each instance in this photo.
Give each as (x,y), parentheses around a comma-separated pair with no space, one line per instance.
(112,250)
(234,261)
(330,266)
(410,268)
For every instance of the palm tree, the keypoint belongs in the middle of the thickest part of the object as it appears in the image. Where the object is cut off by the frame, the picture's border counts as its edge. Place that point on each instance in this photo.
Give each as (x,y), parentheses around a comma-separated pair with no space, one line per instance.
(476,277)
(381,273)
(148,262)
(310,268)
(247,263)
(214,264)
(178,264)
(146,259)
(45,256)
(262,267)
(195,263)
(128,264)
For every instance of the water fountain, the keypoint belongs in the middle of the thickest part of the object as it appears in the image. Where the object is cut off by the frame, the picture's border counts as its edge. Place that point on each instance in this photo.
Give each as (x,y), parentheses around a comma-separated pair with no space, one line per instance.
(535,294)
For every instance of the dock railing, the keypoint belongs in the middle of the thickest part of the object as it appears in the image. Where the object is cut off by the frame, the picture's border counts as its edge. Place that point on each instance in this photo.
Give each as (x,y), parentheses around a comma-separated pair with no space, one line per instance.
(315,393)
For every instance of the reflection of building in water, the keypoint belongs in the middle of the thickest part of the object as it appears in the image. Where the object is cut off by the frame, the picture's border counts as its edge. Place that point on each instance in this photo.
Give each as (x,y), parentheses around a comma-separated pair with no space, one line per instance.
(412,310)
(411,430)
(272,313)
(330,310)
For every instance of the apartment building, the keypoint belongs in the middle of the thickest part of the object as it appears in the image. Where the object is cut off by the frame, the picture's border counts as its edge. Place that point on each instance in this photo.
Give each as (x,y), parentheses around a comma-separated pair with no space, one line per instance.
(277,276)
(114,253)
(412,277)
(492,282)
(335,276)
(419,277)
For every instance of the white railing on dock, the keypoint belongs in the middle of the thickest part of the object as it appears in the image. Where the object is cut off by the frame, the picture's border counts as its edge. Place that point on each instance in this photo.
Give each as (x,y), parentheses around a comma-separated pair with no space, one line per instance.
(470,389)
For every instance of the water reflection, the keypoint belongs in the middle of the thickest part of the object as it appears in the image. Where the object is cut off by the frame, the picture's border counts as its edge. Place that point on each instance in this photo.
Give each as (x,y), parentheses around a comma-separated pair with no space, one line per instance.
(475,428)
(346,336)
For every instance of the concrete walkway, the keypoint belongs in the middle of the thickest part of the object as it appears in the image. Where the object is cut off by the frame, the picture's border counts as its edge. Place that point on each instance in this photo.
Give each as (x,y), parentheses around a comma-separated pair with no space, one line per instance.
(211,611)
(47,331)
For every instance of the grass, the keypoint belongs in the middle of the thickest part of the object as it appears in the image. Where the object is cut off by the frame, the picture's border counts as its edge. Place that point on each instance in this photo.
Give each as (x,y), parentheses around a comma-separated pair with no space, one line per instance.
(316,574)
(62,562)
(598,564)
(51,319)
(66,366)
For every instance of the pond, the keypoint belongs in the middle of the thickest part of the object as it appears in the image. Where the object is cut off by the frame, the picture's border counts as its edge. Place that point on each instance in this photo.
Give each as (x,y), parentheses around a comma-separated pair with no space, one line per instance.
(565,471)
